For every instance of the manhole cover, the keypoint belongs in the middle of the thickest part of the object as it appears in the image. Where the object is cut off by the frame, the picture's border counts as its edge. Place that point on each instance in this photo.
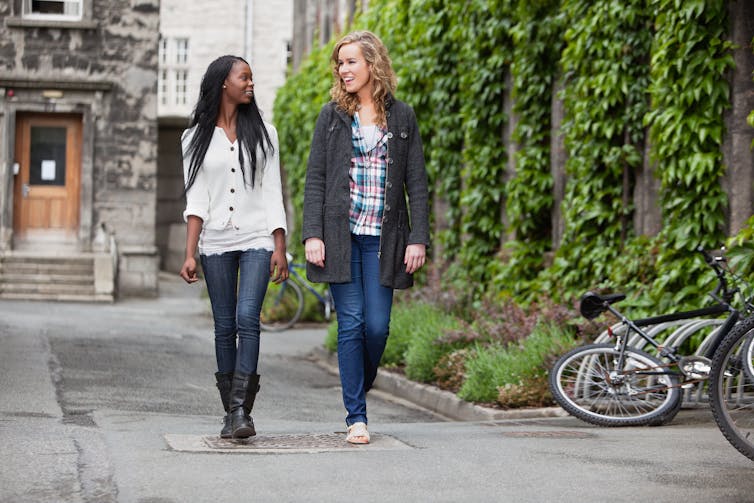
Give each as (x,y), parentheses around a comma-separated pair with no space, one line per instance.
(281,443)
(548,434)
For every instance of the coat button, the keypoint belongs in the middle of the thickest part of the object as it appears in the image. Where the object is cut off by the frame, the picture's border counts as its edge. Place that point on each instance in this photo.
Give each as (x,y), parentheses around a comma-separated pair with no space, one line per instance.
(390,135)
(390,160)
(231,149)
(388,184)
(231,208)
(387,114)
(387,207)
(404,135)
(232,191)
(232,170)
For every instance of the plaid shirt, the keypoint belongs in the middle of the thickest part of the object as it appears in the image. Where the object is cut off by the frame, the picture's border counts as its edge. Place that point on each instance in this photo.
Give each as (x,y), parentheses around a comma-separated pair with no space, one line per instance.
(368,173)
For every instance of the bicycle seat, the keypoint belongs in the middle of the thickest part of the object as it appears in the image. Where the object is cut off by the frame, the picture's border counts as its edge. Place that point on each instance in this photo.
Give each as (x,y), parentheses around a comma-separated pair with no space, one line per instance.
(592,304)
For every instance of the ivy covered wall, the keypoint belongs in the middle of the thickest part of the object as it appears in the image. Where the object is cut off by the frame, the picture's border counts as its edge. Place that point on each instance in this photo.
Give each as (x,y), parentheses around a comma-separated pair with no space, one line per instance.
(570,144)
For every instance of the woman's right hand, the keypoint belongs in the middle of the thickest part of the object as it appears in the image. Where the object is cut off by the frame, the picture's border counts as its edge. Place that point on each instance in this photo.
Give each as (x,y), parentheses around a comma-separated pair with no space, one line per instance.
(315,251)
(188,271)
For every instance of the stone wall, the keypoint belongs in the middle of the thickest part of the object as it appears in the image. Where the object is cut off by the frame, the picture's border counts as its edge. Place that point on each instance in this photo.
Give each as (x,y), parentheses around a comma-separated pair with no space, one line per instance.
(103,67)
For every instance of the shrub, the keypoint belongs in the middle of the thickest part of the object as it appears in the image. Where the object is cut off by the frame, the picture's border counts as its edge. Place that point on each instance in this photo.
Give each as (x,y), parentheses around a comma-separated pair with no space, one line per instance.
(331,339)
(427,325)
(504,321)
(400,337)
(522,365)
(533,392)
(451,370)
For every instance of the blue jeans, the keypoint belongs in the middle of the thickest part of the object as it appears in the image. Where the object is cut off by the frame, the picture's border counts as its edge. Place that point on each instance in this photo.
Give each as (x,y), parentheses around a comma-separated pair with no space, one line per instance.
(363,310)
(236,283)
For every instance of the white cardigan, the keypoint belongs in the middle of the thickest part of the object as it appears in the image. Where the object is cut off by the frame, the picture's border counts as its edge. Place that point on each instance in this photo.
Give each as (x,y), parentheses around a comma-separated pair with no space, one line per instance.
(234,214)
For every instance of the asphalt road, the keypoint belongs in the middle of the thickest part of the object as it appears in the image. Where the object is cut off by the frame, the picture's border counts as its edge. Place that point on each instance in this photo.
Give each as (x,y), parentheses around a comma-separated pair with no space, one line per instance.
(116,403)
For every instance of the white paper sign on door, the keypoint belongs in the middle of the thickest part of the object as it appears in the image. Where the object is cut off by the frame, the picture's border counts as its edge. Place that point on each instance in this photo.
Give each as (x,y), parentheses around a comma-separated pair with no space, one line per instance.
(48,170)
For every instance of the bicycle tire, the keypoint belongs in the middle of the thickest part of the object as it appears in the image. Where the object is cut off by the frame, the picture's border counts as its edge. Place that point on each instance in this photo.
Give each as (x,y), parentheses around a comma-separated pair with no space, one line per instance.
(731,389)
(282,307)
(749,356)
(580,382)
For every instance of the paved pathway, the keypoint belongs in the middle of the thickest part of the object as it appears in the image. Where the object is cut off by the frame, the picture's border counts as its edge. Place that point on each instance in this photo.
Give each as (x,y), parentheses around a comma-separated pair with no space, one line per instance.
(116,403)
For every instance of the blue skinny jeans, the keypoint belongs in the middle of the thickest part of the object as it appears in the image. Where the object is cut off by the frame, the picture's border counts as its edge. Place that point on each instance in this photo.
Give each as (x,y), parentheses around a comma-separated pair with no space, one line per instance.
(236,283)
(363,309)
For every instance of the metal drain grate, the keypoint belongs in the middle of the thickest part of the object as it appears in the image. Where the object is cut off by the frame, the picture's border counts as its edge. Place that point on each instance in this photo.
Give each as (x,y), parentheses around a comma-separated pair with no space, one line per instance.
(281,443)
(548,434)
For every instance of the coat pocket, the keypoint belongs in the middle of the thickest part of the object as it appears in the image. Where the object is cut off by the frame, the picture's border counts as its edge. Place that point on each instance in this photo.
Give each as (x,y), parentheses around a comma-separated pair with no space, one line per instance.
(401,279)
(337,238)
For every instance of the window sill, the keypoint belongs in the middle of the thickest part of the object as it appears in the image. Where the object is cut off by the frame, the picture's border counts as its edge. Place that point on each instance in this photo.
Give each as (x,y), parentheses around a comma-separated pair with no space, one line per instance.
(18,22)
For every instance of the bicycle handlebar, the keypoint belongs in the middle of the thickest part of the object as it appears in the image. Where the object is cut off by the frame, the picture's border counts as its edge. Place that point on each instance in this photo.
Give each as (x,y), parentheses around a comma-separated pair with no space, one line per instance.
(721,293)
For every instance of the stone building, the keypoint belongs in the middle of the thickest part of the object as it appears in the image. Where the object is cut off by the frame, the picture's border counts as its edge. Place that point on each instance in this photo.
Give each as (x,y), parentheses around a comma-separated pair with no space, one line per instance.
(78,151)
(191,38)
(93,97)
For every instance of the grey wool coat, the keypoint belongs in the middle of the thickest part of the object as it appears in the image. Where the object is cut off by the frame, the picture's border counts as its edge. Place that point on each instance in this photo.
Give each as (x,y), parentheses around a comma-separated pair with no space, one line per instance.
(327,195)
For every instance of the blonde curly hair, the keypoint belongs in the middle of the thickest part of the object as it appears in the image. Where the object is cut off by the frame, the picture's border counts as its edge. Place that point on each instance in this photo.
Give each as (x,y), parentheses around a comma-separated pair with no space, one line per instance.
(380,66)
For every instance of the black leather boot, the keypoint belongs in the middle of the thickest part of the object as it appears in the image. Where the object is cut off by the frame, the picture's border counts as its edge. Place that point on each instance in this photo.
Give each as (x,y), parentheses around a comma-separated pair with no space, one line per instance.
(242,395)
(224,383)
(251,393)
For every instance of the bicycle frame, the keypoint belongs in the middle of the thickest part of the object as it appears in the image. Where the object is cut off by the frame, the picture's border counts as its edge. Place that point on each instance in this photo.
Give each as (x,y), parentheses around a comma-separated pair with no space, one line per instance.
(293,273)
(670,352)
(283,309)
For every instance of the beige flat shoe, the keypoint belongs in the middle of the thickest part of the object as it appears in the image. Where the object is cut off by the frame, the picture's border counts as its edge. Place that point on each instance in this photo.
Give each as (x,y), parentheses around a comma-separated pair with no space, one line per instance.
(357,434)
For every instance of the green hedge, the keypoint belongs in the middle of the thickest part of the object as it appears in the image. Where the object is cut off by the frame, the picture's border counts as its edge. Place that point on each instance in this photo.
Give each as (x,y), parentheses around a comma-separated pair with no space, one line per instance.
(492,367)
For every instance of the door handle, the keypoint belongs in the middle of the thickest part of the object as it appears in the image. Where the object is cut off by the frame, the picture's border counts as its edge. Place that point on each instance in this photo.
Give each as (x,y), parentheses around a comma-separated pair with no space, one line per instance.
(25,189)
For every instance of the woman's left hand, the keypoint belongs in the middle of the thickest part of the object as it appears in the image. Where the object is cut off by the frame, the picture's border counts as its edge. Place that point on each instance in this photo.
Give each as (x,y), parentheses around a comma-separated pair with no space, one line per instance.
(278,266)
(414,257)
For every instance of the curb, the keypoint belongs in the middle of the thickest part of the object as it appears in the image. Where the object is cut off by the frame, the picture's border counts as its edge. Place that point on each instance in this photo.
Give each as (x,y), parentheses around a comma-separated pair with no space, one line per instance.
(437,400)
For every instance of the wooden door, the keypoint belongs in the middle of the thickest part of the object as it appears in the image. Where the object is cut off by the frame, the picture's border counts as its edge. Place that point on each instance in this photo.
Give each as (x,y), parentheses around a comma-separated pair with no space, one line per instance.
(47,187)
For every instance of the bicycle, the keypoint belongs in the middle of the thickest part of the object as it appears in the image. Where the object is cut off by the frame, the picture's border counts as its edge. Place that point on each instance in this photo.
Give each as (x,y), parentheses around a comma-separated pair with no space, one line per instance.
(731,388)
(284,303)
(618,384)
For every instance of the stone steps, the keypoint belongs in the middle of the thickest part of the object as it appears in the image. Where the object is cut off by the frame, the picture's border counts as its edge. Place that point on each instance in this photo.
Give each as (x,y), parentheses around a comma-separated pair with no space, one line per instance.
(25,276)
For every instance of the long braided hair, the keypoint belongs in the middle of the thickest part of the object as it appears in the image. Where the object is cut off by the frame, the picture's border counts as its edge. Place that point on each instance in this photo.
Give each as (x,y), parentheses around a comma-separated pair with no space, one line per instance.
(250,129)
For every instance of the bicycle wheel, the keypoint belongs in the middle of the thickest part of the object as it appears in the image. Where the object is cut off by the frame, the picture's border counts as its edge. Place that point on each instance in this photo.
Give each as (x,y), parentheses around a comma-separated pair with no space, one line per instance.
(587,384)
(282,306)
(748,357)
(731,388)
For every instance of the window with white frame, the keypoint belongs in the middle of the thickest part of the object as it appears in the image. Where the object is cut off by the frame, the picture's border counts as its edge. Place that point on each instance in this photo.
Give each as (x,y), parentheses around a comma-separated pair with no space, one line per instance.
(174,72)
(164,51)
(162,89)
(181,51)
(53,9)
(181,87)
